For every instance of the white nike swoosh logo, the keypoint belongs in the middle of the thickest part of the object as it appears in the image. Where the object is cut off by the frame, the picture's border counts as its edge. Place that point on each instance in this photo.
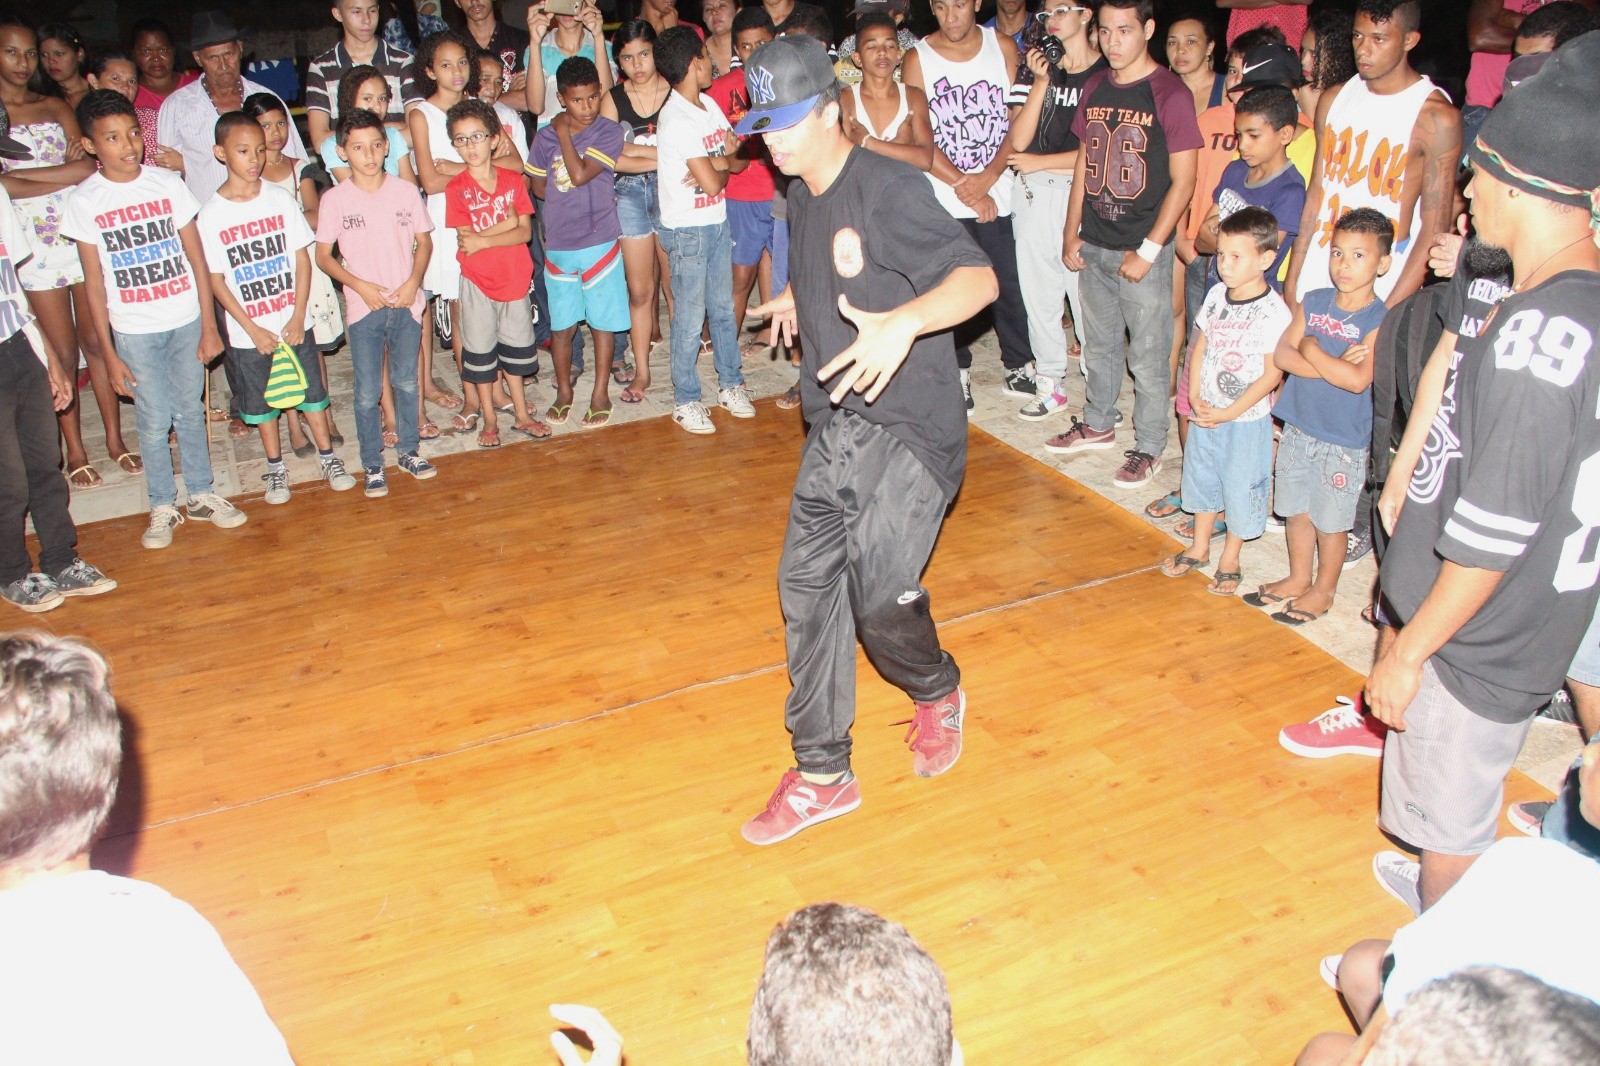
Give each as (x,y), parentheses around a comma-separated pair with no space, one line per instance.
(1257,66)
(907,597)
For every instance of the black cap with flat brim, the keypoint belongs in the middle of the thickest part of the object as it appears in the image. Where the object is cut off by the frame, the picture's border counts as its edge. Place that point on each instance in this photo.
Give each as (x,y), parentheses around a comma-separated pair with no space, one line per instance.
(10,147)
(784,78)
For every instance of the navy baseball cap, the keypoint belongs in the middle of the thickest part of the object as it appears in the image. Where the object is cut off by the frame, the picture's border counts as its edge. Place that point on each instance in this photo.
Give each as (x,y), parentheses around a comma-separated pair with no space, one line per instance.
(784,78)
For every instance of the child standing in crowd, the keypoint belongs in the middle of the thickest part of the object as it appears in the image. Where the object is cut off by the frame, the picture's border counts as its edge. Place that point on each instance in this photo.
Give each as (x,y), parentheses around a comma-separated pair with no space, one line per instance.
(365,87)
(1228,464)
(573,168)
(384,236)
(149,286)
(693,149)
(489,208)
(256,242)
(32,386)
(880,113)
(360,44)
(1326,409)
(489,85)
(1265,121)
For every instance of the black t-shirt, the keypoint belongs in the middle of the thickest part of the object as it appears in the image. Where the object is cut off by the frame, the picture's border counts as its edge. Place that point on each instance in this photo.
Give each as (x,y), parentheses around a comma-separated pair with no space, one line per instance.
(510,46)
(1509,480)
(1060,108)
(1471,298)
(878,237)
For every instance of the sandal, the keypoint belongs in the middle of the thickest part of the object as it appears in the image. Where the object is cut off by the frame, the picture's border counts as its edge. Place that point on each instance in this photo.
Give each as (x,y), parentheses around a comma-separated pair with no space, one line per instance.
(303,451)
(790,399)
(1225,577)
(624,374)
(706,349)
(1294,616)
(752,348)
(1369,616)
(448,400)
(489,438)
(237,429)
(1181,564)
(631,394)
(390,438)
(131,462)
(532,430)
(465,423)
(214,415)
(593,419)
(557,414)
(428,431)
(1185,529)
(85,477)
(1166,507)
(1262,598)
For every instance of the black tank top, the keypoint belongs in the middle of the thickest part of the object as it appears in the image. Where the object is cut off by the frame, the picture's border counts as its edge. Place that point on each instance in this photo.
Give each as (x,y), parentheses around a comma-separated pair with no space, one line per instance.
(641,128)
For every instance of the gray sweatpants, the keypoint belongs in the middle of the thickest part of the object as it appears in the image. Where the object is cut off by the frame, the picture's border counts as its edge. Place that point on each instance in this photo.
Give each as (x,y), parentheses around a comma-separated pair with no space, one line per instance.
(862,524)
(1112,309)
(1039,208)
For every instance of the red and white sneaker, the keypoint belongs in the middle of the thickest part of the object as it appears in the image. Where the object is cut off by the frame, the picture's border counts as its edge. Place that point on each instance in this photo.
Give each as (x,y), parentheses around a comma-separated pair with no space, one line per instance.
(797,804)
(1342,730)
(935,734)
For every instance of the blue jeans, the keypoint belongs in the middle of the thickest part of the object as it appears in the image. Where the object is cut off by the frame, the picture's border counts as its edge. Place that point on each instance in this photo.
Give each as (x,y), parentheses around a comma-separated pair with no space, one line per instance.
(1144,310)
(701,260)
(169,396)
(395,329)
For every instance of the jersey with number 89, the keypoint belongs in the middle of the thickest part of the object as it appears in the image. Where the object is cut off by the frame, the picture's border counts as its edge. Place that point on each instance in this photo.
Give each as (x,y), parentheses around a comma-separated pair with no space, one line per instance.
(1510,481)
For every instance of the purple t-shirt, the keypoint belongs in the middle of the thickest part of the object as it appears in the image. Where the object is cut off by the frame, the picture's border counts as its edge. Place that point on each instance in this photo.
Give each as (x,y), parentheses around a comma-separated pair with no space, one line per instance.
(1128,132)
(580,216)
(1283,194)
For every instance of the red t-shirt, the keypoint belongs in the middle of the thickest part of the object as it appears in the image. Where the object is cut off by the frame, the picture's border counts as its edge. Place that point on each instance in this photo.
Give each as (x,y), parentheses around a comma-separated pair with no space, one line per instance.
(1290,18)
(754,183)
(502,274)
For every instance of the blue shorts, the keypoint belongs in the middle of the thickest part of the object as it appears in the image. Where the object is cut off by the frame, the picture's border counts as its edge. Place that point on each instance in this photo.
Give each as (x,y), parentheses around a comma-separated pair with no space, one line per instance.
(780,255)
(750,222)
(587,285)
(1229,468)
(1585,669)
(1319,478)
(638,205)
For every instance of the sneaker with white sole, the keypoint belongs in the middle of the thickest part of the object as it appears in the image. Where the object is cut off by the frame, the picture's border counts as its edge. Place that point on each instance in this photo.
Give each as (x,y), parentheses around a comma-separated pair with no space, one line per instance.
(1080,438)
(1019,381)
(164,518)
(1329,969)
(417,466)
(1529,817)
(1358,546)
(1340,730)
(81,579)
(334,473)
(377,483)
(694,417)
(1046,402)
(34,593)
(277,479)
(798,804)
(1137,470)
(209,507)
(1401,877)
(966,393)
(736,401)
(935,734)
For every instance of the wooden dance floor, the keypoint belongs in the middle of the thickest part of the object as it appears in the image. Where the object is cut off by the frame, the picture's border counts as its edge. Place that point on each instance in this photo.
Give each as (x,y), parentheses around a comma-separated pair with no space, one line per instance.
(434,762)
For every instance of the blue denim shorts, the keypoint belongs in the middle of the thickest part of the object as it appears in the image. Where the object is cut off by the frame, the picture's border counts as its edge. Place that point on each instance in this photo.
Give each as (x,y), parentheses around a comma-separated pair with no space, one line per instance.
(638,205)
(1318,478)
(753,233)
(1229,468)
(1585,668)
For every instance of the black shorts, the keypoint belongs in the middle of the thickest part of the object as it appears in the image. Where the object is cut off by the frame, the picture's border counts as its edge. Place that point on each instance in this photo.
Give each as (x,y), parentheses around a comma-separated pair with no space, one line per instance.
(250,370)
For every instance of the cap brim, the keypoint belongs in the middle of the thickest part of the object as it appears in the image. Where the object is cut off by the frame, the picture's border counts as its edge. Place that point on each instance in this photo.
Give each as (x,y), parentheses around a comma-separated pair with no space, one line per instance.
(774,119)
(11,148)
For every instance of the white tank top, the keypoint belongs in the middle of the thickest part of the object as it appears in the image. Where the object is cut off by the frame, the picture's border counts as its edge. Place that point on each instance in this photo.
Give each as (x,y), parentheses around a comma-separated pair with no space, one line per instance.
(971,122)
(892,130)
(1365,145)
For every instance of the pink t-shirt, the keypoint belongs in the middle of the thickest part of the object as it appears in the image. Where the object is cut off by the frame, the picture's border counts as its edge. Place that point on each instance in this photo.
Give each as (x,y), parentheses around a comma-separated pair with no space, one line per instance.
(153,100)
(1487,75)
(1290,18)
(376,233)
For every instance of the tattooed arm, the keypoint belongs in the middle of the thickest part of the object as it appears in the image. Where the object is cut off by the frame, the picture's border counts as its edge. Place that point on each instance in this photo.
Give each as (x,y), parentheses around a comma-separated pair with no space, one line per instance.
(1431,178)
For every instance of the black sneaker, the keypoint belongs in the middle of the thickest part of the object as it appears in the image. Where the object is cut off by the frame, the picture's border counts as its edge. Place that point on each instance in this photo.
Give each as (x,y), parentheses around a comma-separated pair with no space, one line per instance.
(1020,382)
(33,593)
(82,579)
(416,466)
(1359,545)
(443,328)
(1559,709)
(966,392)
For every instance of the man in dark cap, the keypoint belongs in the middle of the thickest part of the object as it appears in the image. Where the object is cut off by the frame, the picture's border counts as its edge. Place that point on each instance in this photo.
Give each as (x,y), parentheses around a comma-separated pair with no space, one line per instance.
(879,273)
(1494,569)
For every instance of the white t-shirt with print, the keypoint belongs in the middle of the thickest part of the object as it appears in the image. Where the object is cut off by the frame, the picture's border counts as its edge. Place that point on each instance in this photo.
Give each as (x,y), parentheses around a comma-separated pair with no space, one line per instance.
(1240,339)
(253,245)
(150,285)
(685,132)
(14,249)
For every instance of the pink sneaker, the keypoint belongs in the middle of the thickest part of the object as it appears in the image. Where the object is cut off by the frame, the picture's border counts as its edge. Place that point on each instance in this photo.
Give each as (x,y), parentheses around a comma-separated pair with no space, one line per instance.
(1342,730)
(936,729)
(797,803)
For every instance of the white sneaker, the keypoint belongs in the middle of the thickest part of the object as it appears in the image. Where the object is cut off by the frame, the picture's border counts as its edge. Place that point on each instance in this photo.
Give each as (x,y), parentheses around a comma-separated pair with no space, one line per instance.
(736,401)
(1046,402)
(337,477)
(1401,877)
(212,508)
(277,479)
(1329,968)
(163,520)
(966,392)
(694,417)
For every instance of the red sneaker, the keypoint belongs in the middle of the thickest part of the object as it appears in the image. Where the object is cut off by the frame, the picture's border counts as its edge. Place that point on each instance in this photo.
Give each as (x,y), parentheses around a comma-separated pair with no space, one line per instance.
(1341,730)
(936,728)
(797,804)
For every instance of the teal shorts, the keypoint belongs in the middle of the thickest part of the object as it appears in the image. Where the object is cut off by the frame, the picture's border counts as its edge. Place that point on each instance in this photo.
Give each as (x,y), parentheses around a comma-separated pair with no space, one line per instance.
(587,285)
